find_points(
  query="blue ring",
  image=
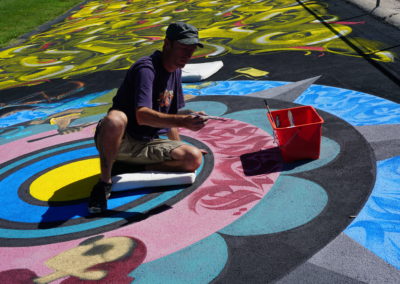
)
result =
(28, 213)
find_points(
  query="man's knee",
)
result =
(191, 157)
(193, 160)
(110, 130)
(115, 123)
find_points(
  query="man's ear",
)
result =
(168, 43)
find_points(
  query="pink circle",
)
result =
(238, 181)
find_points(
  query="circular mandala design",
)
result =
(65, 220)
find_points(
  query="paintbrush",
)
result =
(205, 116)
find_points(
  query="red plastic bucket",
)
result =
(298, 131)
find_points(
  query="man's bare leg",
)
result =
(111, 131)
(186, 158)
(109, 140)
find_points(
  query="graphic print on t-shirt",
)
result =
(165, 98)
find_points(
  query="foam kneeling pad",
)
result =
(150, 179)
(195, 72)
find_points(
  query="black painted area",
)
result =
(59, 89)
(348, 181)
(347, 72)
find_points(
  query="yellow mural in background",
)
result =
(111, 35)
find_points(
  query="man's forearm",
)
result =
(150, 117)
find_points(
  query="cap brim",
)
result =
(190, 41)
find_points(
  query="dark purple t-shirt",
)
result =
(148, 84)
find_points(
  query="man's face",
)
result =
(179, 54)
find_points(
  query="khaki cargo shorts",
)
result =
(143, 152)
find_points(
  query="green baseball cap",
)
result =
(183, 33)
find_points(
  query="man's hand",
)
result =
(206, 116)
(194, 122)
(150, 117)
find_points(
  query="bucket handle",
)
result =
(276, 140)
(272, 119)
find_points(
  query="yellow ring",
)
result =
(66, 183)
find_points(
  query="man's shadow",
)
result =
(68, 204)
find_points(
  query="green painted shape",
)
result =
(328, 152)
(192, 264)
(292, 202)
(256, 117)
(105, 101)
(209, 107)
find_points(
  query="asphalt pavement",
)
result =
(386, 10)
